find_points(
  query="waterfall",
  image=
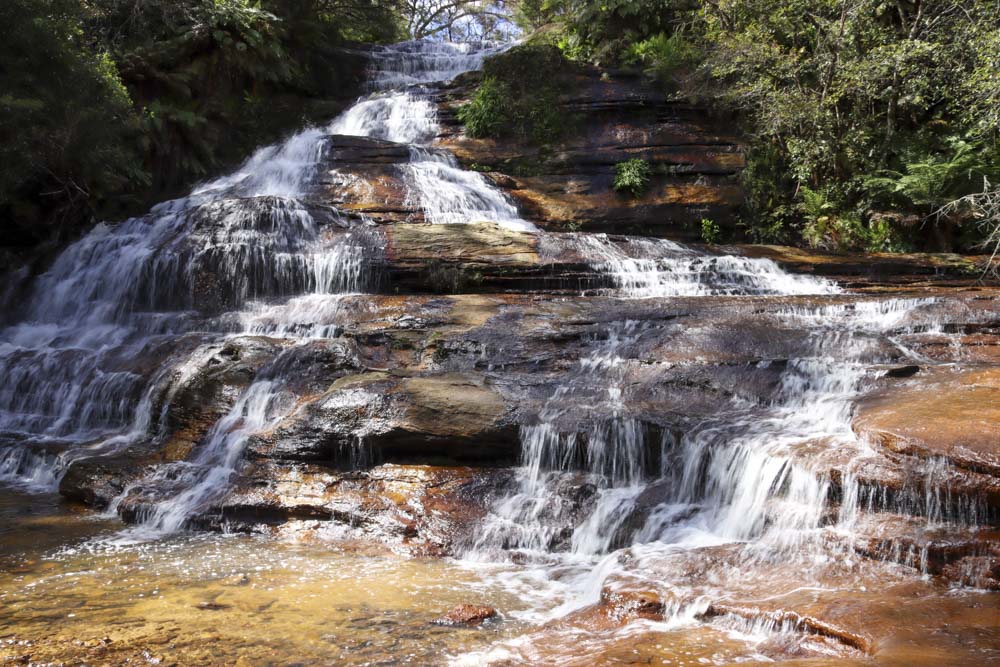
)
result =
(194, 485)
(447, 193)
(254, 253)
(643, 268)
(246, 253)
(738, 477)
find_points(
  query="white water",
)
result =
(199, 483)
(742, 476)
(645, 268)
(447, 193)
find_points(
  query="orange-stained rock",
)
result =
(956, 418)
(695, 160)
(467, 614)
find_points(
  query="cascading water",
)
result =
(661, 268)
(245, 253)
(743, 476)
(446, 193)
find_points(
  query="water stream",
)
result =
(128, 315)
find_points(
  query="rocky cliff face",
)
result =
(354, 332)
(694, 160)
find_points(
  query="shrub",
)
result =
(709, 231)
(488, 110)
(632, 177)
(828, 227)
(663, 56)
(519, 96)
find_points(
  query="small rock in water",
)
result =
(467, 614)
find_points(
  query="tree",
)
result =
(457, 20)
(68, 131)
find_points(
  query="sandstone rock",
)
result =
(422, 510)
(616, 118)
(981, 572)
(467, 615)
(875, 268)
(955, 418)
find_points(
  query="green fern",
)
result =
(632, 177)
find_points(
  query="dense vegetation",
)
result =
(863, 117)
(109, 105)
(519, 96)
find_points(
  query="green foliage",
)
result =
(109, 105)
(632, 177)
(67, 129)
(486, 114)
(857, 99)
(828, 227)
(710, 231)
(932, 180)
(535, 14)
(605, 31)
(663, 56)
(519, 96)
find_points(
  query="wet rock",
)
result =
(902, 371)
(982, 572)
(624, 602)
(207, 389)
(794, 620)
(480, 258)
(365, 177)
(96, 482)
(954, 418)
(874, 268)
(951, 551)
(467, 615)
(380, 417)
(425, 510)
(354, 151)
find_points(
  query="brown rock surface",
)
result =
(568, 185)
(467, 614)
(955, 418)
